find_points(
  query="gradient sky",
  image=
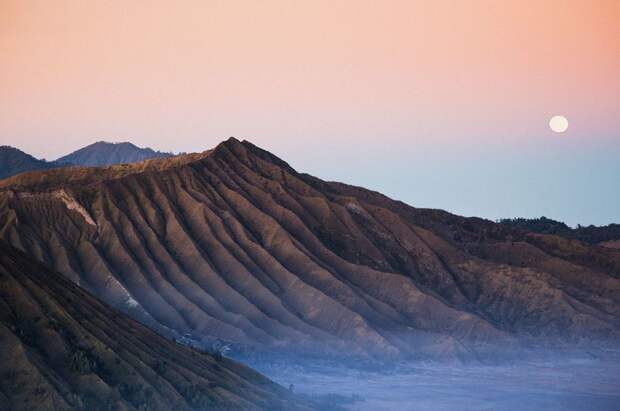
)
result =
(441, 104)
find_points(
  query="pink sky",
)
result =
(323, 75)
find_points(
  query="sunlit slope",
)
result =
(235, 244)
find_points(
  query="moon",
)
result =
(558, 124)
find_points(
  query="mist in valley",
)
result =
(561, 383)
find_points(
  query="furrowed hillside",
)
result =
(234, 244)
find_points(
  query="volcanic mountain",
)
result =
(104, 154)
(234, 244)
(62, 349)
(14, 161)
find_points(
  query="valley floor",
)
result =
(570, 385)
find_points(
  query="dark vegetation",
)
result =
(588, 234)
(104, 154)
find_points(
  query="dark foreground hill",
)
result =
(62, 349)
(104, 154)
(234, 244)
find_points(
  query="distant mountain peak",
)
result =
(103, 153)
(14, 161)
(103, 143)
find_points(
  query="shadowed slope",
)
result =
(62, 349)
(14, 161)
(235, 244)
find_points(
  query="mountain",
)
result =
(608, 235)
(62, 349)
(103, 154)
(14, 161)
(234, 244)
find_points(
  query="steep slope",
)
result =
(235, 244)
(103, 154)
(62, 349)
(14, 161)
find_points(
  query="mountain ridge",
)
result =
(237, 244)
(14, 161)
(103, 153)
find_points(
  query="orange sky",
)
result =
(184, 75)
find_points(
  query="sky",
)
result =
(441, 104)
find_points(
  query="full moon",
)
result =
(559, 124)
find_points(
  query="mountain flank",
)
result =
(234, 244)
(62, 349)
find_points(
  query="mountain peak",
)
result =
(103, 143)
(231, 143)
(229, 150)
(103, 153)
(244, 147)
(232, 140)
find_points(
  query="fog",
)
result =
(561, 384)
(545, 377)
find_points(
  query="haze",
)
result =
(439, 104)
